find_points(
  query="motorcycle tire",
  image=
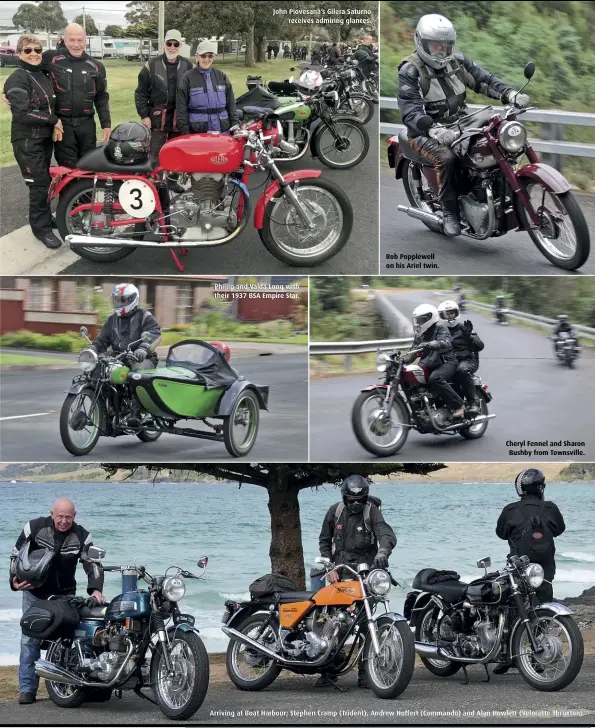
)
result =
(74, 189)
(64, 428)
(366, 108)
(148, 436)
(235, 449)
(408, 659)
(76, 698)
(576, 659)
(272, 671)
(361, 436)
(480, 432)
(434, 227)
(291, 258)
(449, 668)
(357, 128)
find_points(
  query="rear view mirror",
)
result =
(146, 336)
(529, 70)
(202, 562)
(484, 563)
(96, 553)
(322, 560)
(84, 331)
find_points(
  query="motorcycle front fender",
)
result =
(371, 387)
(392, 615)
(78, 387)
(274, 188)
(560, 610)
(226, 403)
(182, 628)
(550, 178)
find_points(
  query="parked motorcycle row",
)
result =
(142, 639)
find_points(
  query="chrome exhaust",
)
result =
(55, 673)
(481, 418)
(249, 642)
(420, 214)
(89, 240)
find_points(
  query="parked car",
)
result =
(8, 56)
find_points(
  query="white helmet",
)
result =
(125, 299)
(310, 83)
(423, 317)
(449, 312)
(435, 40)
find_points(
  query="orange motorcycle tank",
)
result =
(340, 593)
(290, 614)
(207, 153)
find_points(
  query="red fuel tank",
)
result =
(211, 152)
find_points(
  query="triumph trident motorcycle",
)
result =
(495, 618)
(496, 192)
(139, 640)
(308, 633)
(105, 210)
(383, 414)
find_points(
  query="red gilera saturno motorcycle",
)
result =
(105, 210)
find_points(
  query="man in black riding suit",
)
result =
(354, 532)
(365, 56)
(433, 335)
(563, 326)
(433, 82)
(466, 345)
(530, 527)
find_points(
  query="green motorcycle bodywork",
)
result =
(292, 109)
(119, 374)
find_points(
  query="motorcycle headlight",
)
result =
(513, 136)
(534, 575)
(379, 582)
(382, 361)
(88, 360)
(173, 588)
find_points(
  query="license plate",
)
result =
(186, 619)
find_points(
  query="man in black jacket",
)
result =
(70, 543)
(433, 82)
(563, 326)
(365, 56)
(80, 84)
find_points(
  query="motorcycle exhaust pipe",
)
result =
(420, 214)
(89, 240)
(55, 673)
(481, 418)
(249, 642)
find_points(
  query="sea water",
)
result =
(438, 525)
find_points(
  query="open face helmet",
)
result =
(530, 482)
(125, 299)
(423, 317)
(449, 312)
(435, 40)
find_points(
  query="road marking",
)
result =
(20, 417)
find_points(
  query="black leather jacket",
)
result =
(465, 347)
(438, 333)
(151, 94)
(119, 331)
(31, 97)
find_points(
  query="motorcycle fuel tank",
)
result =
(129, 604)
(414, 374)
(211, 152)
(341, 593)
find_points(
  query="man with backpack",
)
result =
(530, 527)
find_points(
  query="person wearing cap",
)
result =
(205, 100)
(156, 93)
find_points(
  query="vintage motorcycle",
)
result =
(110, 399)
(308, 633)
(501, 315)
(383, 414)
(496, 194)
(105, 210)
(494, 619)
(139, 640)
(567, 349)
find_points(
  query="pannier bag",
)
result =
(50, 619)
(269, 585)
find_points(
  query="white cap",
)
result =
(206, 46)
(173, 35)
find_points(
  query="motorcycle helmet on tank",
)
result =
(31, 565)
(125, 299)
(435, 40)
(423, 317)
(530, 482)
(450, 313)
(129, 143)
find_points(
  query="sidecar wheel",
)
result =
(241, 426)
(149, 436)
(89, 434)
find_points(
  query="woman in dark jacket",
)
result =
(31, 97)
(205, 100)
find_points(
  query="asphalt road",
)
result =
(282, 435)
(514, 253)
(534, 399)
(506, 700)
(246, 255)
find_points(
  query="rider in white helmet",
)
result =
(433, 81)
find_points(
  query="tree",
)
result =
(283, 482)
(28, 18)
(145, 14)
(44, 16)
(114, 31)
(88, 25)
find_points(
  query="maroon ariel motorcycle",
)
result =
(495, 194)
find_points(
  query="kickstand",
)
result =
(118, 694)
(138, 692)
(487, 673)
(179, 266)
(338, 687)
(466, 682)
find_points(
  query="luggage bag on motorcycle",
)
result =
(50, 619)
(270, 584)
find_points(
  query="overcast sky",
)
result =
(102, 11)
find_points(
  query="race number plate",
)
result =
(137, 198)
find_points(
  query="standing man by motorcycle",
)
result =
(353, 532)
(365, 56)
(433, 82)
(466, 345)
(563, 327)
(43, 564)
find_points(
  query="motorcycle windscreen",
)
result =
(204, 360)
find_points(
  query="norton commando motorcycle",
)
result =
(494, 619)
(496, 193)
(383, 414)
(106, 210)
(139, 640)
(308, 633)
(110, 399)
(567, 349)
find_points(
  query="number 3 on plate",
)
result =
(137, 198)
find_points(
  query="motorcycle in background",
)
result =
(567, 349)
(501, 315)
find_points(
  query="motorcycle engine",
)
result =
(322, 630)
(105, 666)
(469, 633)
(202, 213)
(475, 211)
(442, 417)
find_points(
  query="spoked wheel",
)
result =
(560, 661)
(415, 199)
(64, 696)
(288, 238)
(426, 631)
(381, 433)
(358, 106)
(477, 430)
(81, 422)
(390, 671)
(562, 236)
(247, 668)
(181, 692)
(345, 150)
(241, 427)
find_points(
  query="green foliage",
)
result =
(331, 293)
(42, 16)
(69, 341)
(89, 24)
(114, 31)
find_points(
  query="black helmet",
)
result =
(129, 143)
(562, 318)
(31, 565)
(530, 482)
(355, 491)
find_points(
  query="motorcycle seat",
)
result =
(452, 591)
(96, 161)
(409, 152)
(95, 612)
(295, 596)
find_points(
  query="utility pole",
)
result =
(84, 20)
(161, 30)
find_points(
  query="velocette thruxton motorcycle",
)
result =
(139, 640)
(383, 414)
(308, 632)
(110, 399)
(496, 194)
(495, 618)
(106, 209)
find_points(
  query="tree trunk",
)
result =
(286, 552)
(260, 50)
(249, 58)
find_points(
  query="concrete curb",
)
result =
(22, 254)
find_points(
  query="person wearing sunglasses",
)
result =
(31, 97)
(205, 99)
(155, 95)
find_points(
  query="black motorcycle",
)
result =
(494, 619)
(567, 349)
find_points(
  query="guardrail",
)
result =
(551, 120)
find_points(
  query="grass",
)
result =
(24, 360)
(122, 80)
